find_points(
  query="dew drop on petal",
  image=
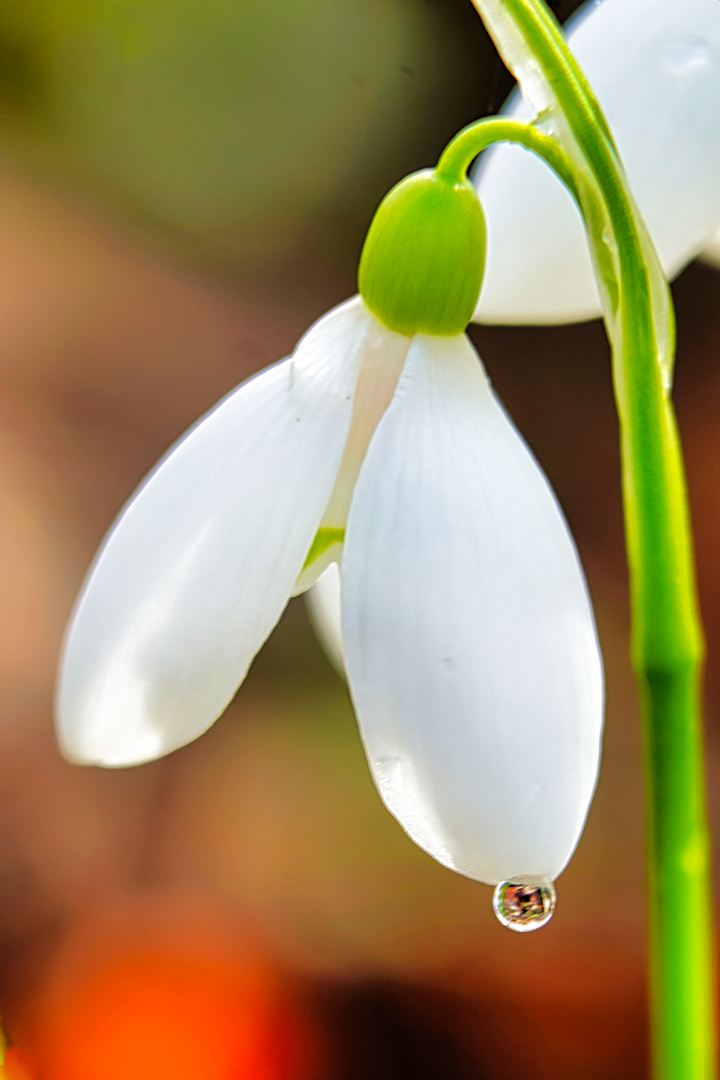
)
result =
(523, 907)
(686, 56)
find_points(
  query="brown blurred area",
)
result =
(255, 873)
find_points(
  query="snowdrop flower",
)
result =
(655, 68)
(469, 640)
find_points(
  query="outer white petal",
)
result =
(469, 638)
(655, 67)
(199, 566)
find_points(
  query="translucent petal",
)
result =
(470, 644)
(200, 565)
(323, 601)
(655, 67)
(383, 358)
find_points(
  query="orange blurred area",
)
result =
(18, 1066)
(155, 991)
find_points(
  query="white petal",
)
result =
(200, 565)
(383, 358)
(469, 640)
(323, 602)
(655, 67)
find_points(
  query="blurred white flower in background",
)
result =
(654, 66)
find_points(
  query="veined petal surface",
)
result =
(470, 644)
(655, 68)
(200, 565)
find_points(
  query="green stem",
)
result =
(459, 154)
(667, 645)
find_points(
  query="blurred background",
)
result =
(184, 188)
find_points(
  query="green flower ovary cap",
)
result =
(422, 264)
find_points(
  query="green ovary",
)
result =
(423, 261)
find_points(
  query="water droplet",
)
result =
(608, 239)
(687, 55)
(523, 907)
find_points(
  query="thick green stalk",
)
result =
(666, 635)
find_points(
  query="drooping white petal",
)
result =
(469, 640)
(655, 67)
(199, 566)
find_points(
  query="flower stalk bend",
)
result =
(667, 643)
(459, 154)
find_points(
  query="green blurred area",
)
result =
(241, 129)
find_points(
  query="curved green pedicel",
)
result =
(423, 261)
